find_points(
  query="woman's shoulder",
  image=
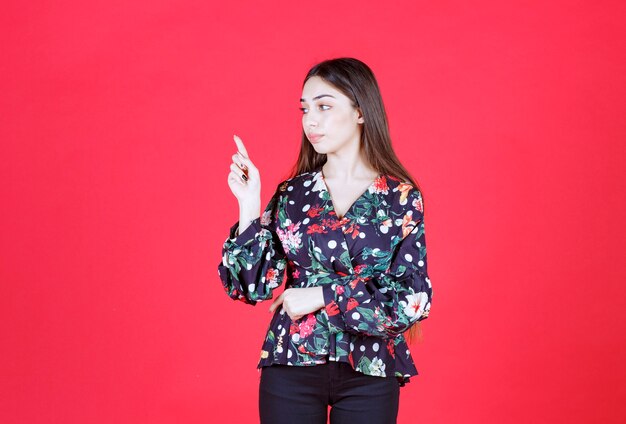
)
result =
(302, 180)
(400, 185)
(405, 195)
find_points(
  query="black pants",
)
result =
(301, 394)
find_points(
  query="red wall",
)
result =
(116, 122)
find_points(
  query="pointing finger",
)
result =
(240, 146)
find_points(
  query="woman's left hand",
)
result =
(299, 301)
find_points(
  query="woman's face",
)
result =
(327, 112)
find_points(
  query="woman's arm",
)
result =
(253, 260)
(386, 304)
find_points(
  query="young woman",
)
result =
(345, 232)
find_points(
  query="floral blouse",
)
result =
(371, 265)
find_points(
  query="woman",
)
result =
(346, 234)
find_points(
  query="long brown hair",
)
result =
(357, 81)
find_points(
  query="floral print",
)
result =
(370, 263)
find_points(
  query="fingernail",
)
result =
(244, 177)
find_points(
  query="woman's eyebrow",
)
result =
(317, 97)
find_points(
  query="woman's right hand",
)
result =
(244, 179)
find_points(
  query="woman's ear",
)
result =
(360, 118)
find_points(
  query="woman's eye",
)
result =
(303, 109)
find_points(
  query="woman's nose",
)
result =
(310, 121)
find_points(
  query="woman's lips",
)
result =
(315, 138)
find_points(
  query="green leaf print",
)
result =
(340, 352)
(368, 314)
(318, 279)
(345, 259)
(401, 270)
(378, 253)
(317, 257)
(364, 363)
(321, 344)
(282, 215)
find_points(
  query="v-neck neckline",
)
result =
(332, 203)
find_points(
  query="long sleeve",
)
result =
(385, 304)
(254, 262)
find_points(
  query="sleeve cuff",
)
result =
(329, 294)
(248, 233)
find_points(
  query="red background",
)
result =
(116, 121)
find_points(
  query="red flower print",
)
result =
(332, 308)
(271, 274)
(351, 359)
(296, 273)
(335, 224)
(381, 184)
(314, 211)
(301, 349)
(359, 268)
(293, 328)
(352, 303)
(315, 228)
(339, 289)
(352, 229)
(306, 327)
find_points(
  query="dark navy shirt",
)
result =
(371, 265)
